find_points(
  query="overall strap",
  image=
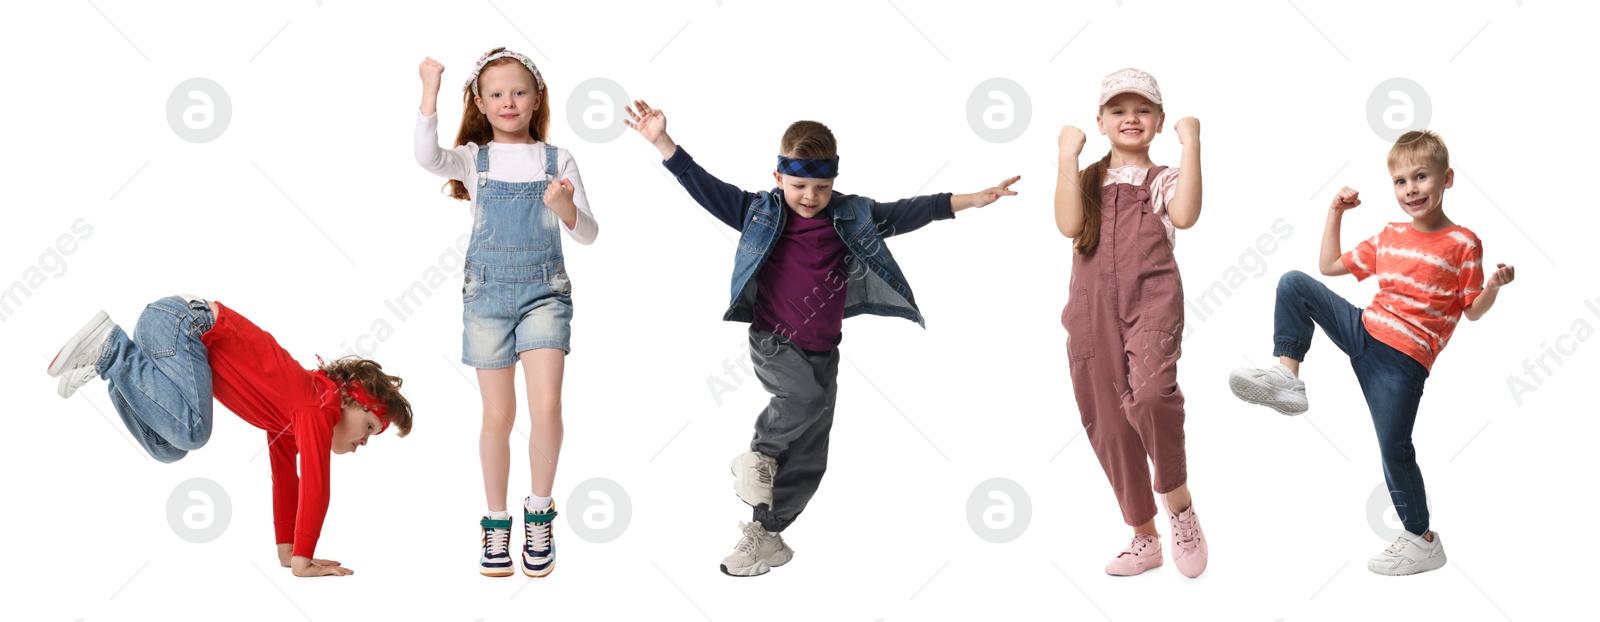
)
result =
(483, 165)
(550, 160)
(1150, 176)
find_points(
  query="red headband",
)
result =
(359, 393)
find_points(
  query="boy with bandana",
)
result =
(807, 259)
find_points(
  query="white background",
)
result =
(308, 212)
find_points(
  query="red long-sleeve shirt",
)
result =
(256, 378)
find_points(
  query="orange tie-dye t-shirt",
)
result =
(1424, 281)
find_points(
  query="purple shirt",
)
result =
(801, 288)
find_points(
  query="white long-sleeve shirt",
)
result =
(511, 163)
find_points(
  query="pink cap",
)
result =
(1129, 80)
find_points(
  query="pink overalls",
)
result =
(1124, 322)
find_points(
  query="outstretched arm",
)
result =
(983, 197)
(723, 200)
(907, 215)
(652, 126)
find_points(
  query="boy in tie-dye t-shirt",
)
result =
(1430, 274)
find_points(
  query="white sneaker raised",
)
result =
(1275, 387)
(753, 474)
(757, 553)
(76, 360)
(1410, 554)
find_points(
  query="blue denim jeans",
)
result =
(160, 380)
(1391, 380)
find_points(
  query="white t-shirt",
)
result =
(511, 163)
(1161, 191)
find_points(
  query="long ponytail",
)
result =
(1089, 182)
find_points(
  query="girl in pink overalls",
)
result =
(1124, 314)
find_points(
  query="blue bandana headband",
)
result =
(810, 169)
(472, 80)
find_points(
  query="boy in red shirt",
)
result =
(1429, 274)
(184, 351)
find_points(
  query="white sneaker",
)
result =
(74, 379)
(1410, 554)
(1275, 387)
(753, 473)
(757, 553)
(76, 360)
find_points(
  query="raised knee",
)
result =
(1292, 280)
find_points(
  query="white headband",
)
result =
(472, 80)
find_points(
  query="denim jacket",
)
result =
(875, 285)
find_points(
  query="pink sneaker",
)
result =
(1189, 549)
(1142, 554)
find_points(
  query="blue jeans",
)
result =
(160, 380)
(1391, 380)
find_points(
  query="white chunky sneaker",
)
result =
(753, 474)
(757, 553)
(1275, 387)
(1410, 554)
(75, 362)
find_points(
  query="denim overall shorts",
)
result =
(516, 295)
